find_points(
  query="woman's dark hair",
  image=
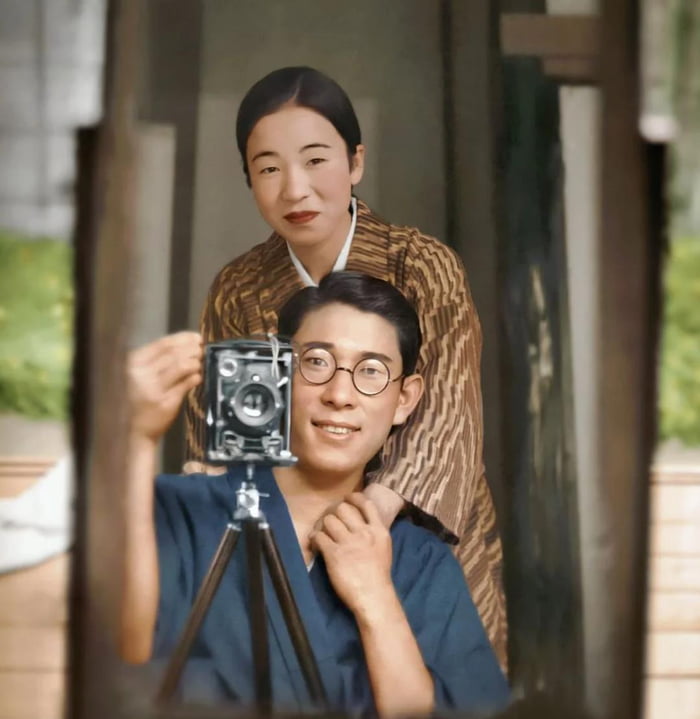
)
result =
(364, 293)
(303, 87)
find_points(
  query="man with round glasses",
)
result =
(370, 375)
(389, 616)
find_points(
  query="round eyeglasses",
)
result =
(370, 375)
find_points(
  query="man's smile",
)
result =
(338, 428)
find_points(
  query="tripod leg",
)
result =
(198, 612)
(258, 619)
(293, 619)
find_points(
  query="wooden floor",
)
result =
(33, 608)
(673, 639)
(33, 615)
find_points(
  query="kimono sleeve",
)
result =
(174, 565)
(450, 634)
(435, 461)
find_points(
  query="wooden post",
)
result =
(629, 270)
(103, 260)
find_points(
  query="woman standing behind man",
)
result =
(302, 154)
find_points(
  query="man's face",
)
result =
(335, 428)
(301, 177)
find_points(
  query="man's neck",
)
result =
(319, 490)
(309, 497)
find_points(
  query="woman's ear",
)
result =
(357, 165)
(411, 391)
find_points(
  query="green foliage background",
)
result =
(36, 326)
(680, 350)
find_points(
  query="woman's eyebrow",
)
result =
(264, 153)
(314, 145)
(271, 153)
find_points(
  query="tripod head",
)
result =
(248, 497)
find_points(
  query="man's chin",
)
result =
(331, 467)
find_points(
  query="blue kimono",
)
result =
(191, 514)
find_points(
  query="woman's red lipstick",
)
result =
(299, 218)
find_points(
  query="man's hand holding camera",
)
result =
(160, 374)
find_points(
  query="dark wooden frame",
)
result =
(631, 250)
(629, 265)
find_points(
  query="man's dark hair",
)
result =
(302, 87)
(364, 293)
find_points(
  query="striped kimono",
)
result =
(434, 461)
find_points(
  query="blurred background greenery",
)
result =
(36, 326)
(679, 379)
(679, 386)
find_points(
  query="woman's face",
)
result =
(301, 176)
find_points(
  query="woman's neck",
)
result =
(319, 259)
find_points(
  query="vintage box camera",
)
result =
(248, 401)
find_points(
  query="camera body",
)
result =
(248, 391)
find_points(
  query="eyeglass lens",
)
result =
(318, 365)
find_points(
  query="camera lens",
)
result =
(254, 405)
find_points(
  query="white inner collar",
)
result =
(342, 258)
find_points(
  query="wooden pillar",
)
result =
(470, 30)
(103, 260)
(629, 269)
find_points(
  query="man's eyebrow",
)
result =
(363, 355)
(316, 345)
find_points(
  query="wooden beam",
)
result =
(550, 36)
(571, 70)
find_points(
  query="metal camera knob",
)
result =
(227, 366)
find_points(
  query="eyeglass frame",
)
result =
(298, 356)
